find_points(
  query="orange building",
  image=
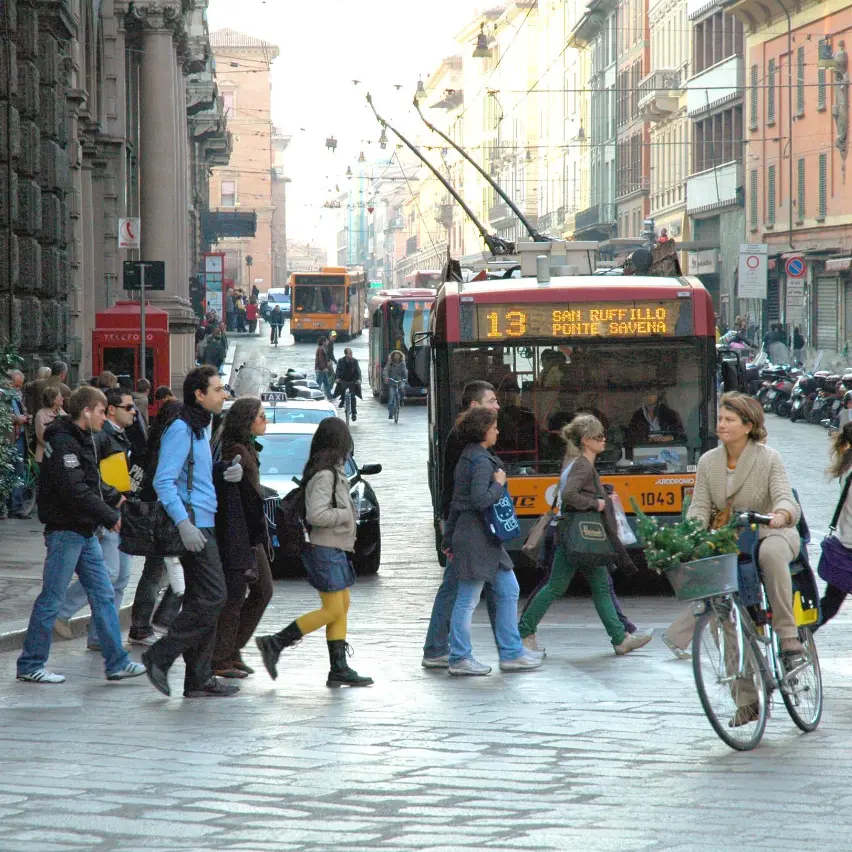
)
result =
(798, 196)
(243, 65)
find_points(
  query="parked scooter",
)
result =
(802, 398)
(297, 386)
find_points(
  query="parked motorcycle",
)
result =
(826, 393)
(802, 397)
(297, 386)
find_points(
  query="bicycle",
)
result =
(397, 399)
(347, 403)
(29, 487)
(736, 659)
(275, 331)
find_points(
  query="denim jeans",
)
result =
(505, 590)
(118, 567)
(324, 382)
(68, 552)
(393, 390)
(438, 634)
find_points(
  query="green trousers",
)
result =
(560, 579)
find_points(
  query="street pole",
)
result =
(141, 371)
(789, 116)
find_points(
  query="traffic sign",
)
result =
(155, 274)
(795, 267)
(129, 233)
(753, 268)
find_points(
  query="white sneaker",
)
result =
(436, 662)
(526, 662)
(531, 644)
(469, 667)
(642, 632)
(631, 643)
(63, 629)
(130, 670)
(42, 676)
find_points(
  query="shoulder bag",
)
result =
(835, 563)
(147, 529)
(501, 520)
(532, 544)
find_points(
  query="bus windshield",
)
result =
(405, 319)
(647, 396)
(325, 295)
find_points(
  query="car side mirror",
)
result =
(370, 469)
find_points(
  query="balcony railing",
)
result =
(659, 93)
(601, 215)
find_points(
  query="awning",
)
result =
(838, 264)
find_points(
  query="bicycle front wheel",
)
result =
(347, 408)
(396, 409)
(729, 676)
(801, 687)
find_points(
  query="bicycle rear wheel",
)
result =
(801, 688)
(729, 678)
(347, 406)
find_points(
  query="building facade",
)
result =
(246, 184)
(797, 197)
(110, 110)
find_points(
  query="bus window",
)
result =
(377, 319)
(647, 396)
(405, 319)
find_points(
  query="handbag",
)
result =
(835, 563)
(501, 520)
(584, 538)
(532, 544)
(147, 529)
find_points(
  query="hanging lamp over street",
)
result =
(420, 94)
(482, 50)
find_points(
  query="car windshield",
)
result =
(647, 396)
(286, 455)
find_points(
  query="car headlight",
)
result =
(363, 504)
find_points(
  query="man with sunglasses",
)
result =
(112, 440)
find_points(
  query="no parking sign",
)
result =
(795, 267)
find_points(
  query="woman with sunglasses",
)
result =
(582, 491)
(243, 538)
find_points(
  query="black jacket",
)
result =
(348, 370)
(453, 449)
(111, 441)
(639, 430)
(71, 495)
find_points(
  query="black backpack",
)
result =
(291, 528)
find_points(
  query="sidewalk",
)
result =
(21, 564)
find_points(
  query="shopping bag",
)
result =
(625, 532)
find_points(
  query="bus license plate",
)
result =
(665, 500)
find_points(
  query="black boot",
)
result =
(272, 646)
(340, 674)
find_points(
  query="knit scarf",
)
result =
(197, 418)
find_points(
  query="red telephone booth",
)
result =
(116, 342)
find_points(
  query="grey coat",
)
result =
(476, 552)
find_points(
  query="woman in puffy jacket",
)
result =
(395, 369)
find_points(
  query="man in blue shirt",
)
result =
(184, 485)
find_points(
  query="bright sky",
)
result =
(324, 45)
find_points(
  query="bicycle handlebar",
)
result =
(749, 518)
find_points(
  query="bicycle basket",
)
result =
(705, 578)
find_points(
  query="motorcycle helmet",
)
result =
(847, 399)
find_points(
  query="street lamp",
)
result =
(349, 171)
(362, 158)
(331, 144)
(420, 94)
(383, 140)
(482, 50)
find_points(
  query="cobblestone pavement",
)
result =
(592, 752)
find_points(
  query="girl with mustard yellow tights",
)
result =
(330, 517)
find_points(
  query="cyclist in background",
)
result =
(395, 369)
(276, 321)
(348, 375)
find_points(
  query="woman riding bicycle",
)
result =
(395, 369)
(744, 474)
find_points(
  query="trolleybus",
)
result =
(607, 346)
(332, 299)
(396, 316)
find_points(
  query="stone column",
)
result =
(87, 267)
(161, 175)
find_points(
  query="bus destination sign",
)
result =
(580, 319)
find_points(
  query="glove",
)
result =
(234, 473)
(192, 537)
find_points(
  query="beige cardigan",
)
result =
(760, 485)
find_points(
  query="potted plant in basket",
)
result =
(698, 562)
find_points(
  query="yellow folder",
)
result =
(114, 472)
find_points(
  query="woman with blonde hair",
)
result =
(743, 474)
(581, 491)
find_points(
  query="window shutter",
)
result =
(823, 186)
(821, 88)
(752, 200)
(800, 202)
(800, 81)
(770, 196)
(770, 92)
(752, 105)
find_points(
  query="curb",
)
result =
(13, 640)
